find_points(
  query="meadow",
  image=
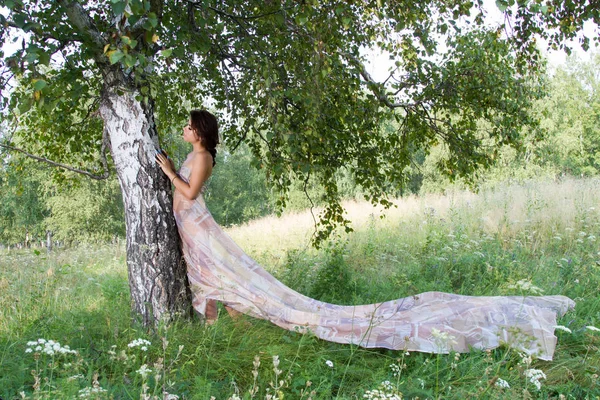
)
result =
(66, 329)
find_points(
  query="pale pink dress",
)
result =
(218, 269)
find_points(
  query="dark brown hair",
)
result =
(207, 128)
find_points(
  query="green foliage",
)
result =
(74, 211)
(237, 191)
(332, 280)
(572, 115)
(288, 79)
(89, 211)
(22, 209)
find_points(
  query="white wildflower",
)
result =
(49, 347)
(592, 238)
(534, 376)
(501, 383)
(385, 391)
(592, 328)
(526, 359)
(144, 371)
(526, 286)
(329, 363)
(443, 339)
(75, 377)
(90, 391)
(139, 343)
(170, 396)
(562, 328)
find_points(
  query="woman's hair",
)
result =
(207, 128)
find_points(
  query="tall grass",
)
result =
(547, 233)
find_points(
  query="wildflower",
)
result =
(592, 328)
(144, 371)
(562, 328)
(443, 339)
(534, 376)
(169, 396)
(385, 391)
(142, 343)
(329, 363)
(592, 238)
(526, 286)
(75, 377)
(501, 383)
(50, 347)
(395, 369)
(526, 359)
(90, 391)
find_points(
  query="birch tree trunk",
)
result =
(157, 271)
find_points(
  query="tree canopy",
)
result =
(288, 78)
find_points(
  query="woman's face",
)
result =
(188, 133)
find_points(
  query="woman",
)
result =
(432, 322)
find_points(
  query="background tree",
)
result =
(286, 77)
(22, 209)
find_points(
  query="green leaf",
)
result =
(19, 20)
(166, 53)
(44, 58)
(129, 61)
(119, 7)
(502, 5)
(25, 106)
(115, 55)
(153, 19)
(39, 84)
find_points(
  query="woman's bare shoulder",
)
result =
(203, 159)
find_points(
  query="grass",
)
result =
(547, 233)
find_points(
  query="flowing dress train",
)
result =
(432, 322)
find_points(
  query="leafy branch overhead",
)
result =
(289, 78)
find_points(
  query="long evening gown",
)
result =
(432, 322)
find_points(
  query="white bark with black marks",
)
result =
(157, 272)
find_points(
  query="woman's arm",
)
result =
(201, 169)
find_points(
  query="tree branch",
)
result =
(105, 175)
(82, 22)
(375, 86)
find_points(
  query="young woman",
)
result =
(433, 322)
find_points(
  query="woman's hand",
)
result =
(166, 164)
